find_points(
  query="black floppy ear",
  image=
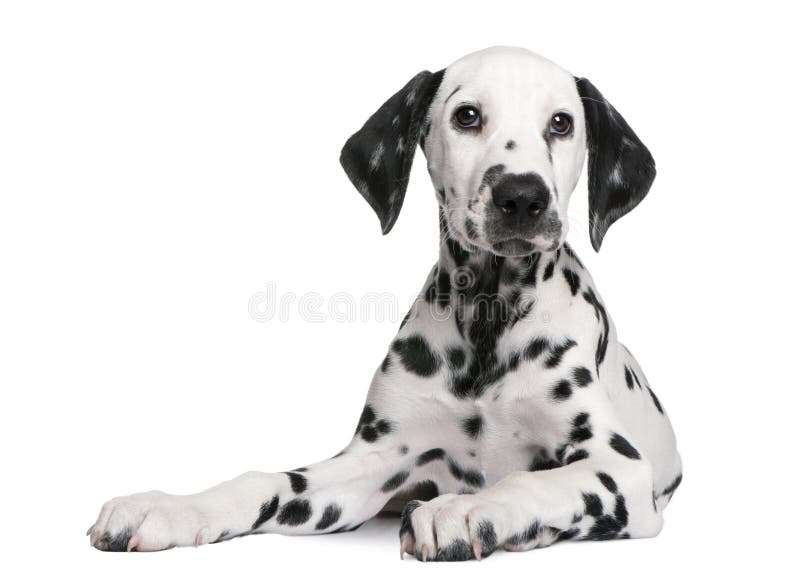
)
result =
(378, 158)
(621, 168)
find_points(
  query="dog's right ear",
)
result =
(378, 158)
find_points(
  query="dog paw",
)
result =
(147, 522)
(451, 528)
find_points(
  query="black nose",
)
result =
(521, 197)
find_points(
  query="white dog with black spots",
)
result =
(506, 413)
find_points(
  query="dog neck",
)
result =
(476, 272)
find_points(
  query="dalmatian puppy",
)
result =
(506, 414)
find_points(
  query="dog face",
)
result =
(505, 133)
(505, 149)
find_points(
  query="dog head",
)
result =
(505, 133)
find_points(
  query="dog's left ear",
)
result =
(378, 158)
(621, 168)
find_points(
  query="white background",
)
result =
(162, 162)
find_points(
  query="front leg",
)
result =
(387, 455)
(604, 491)
(333, 495)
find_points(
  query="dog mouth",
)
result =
(513, 247)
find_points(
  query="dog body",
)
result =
(505, 399)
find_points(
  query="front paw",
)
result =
(451, 528)
(147, 522)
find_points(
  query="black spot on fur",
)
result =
(456, 357)
(329, 517)
(529, 277)
(592, 504)
(581, 429)
(268, 509)
(608, 482)
(623, 447)
(457, 252)
(417, 356)
(117, 542)
(655, 401)
(600, 313)
(548, 271)
(458, 550)
(567, 534)
(573, 280)
(511, 145)
(541, 462)
(298, 482)
(557, 353)
(295, 512)
(670, 489)
(395, 481)
(562, 390)
(628, 378)
(473, 426)
(530, 534)
(621, 511)
(604, 528)
(469, 476)
(576, 456)
(487, 537)
(434, 454)
(582, 376)
(387, 362)
(368, 428)
(367, 415)
(535, 348)
(403, 450)
(442, 288)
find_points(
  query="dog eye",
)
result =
(467, 117)
(560, 124)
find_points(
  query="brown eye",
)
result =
(560, 124)
(467, 117)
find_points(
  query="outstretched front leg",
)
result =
(334, 495)
(386, 456)
(330, 496)
(603, 490)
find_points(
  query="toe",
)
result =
(424, 537)
(452, 532)
(483, 535)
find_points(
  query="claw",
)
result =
(89, 531)
(425, 553)
(405, 546)
(476, 548)
(201, 537)
(134, 542)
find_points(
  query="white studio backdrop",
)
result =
(166, 167)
